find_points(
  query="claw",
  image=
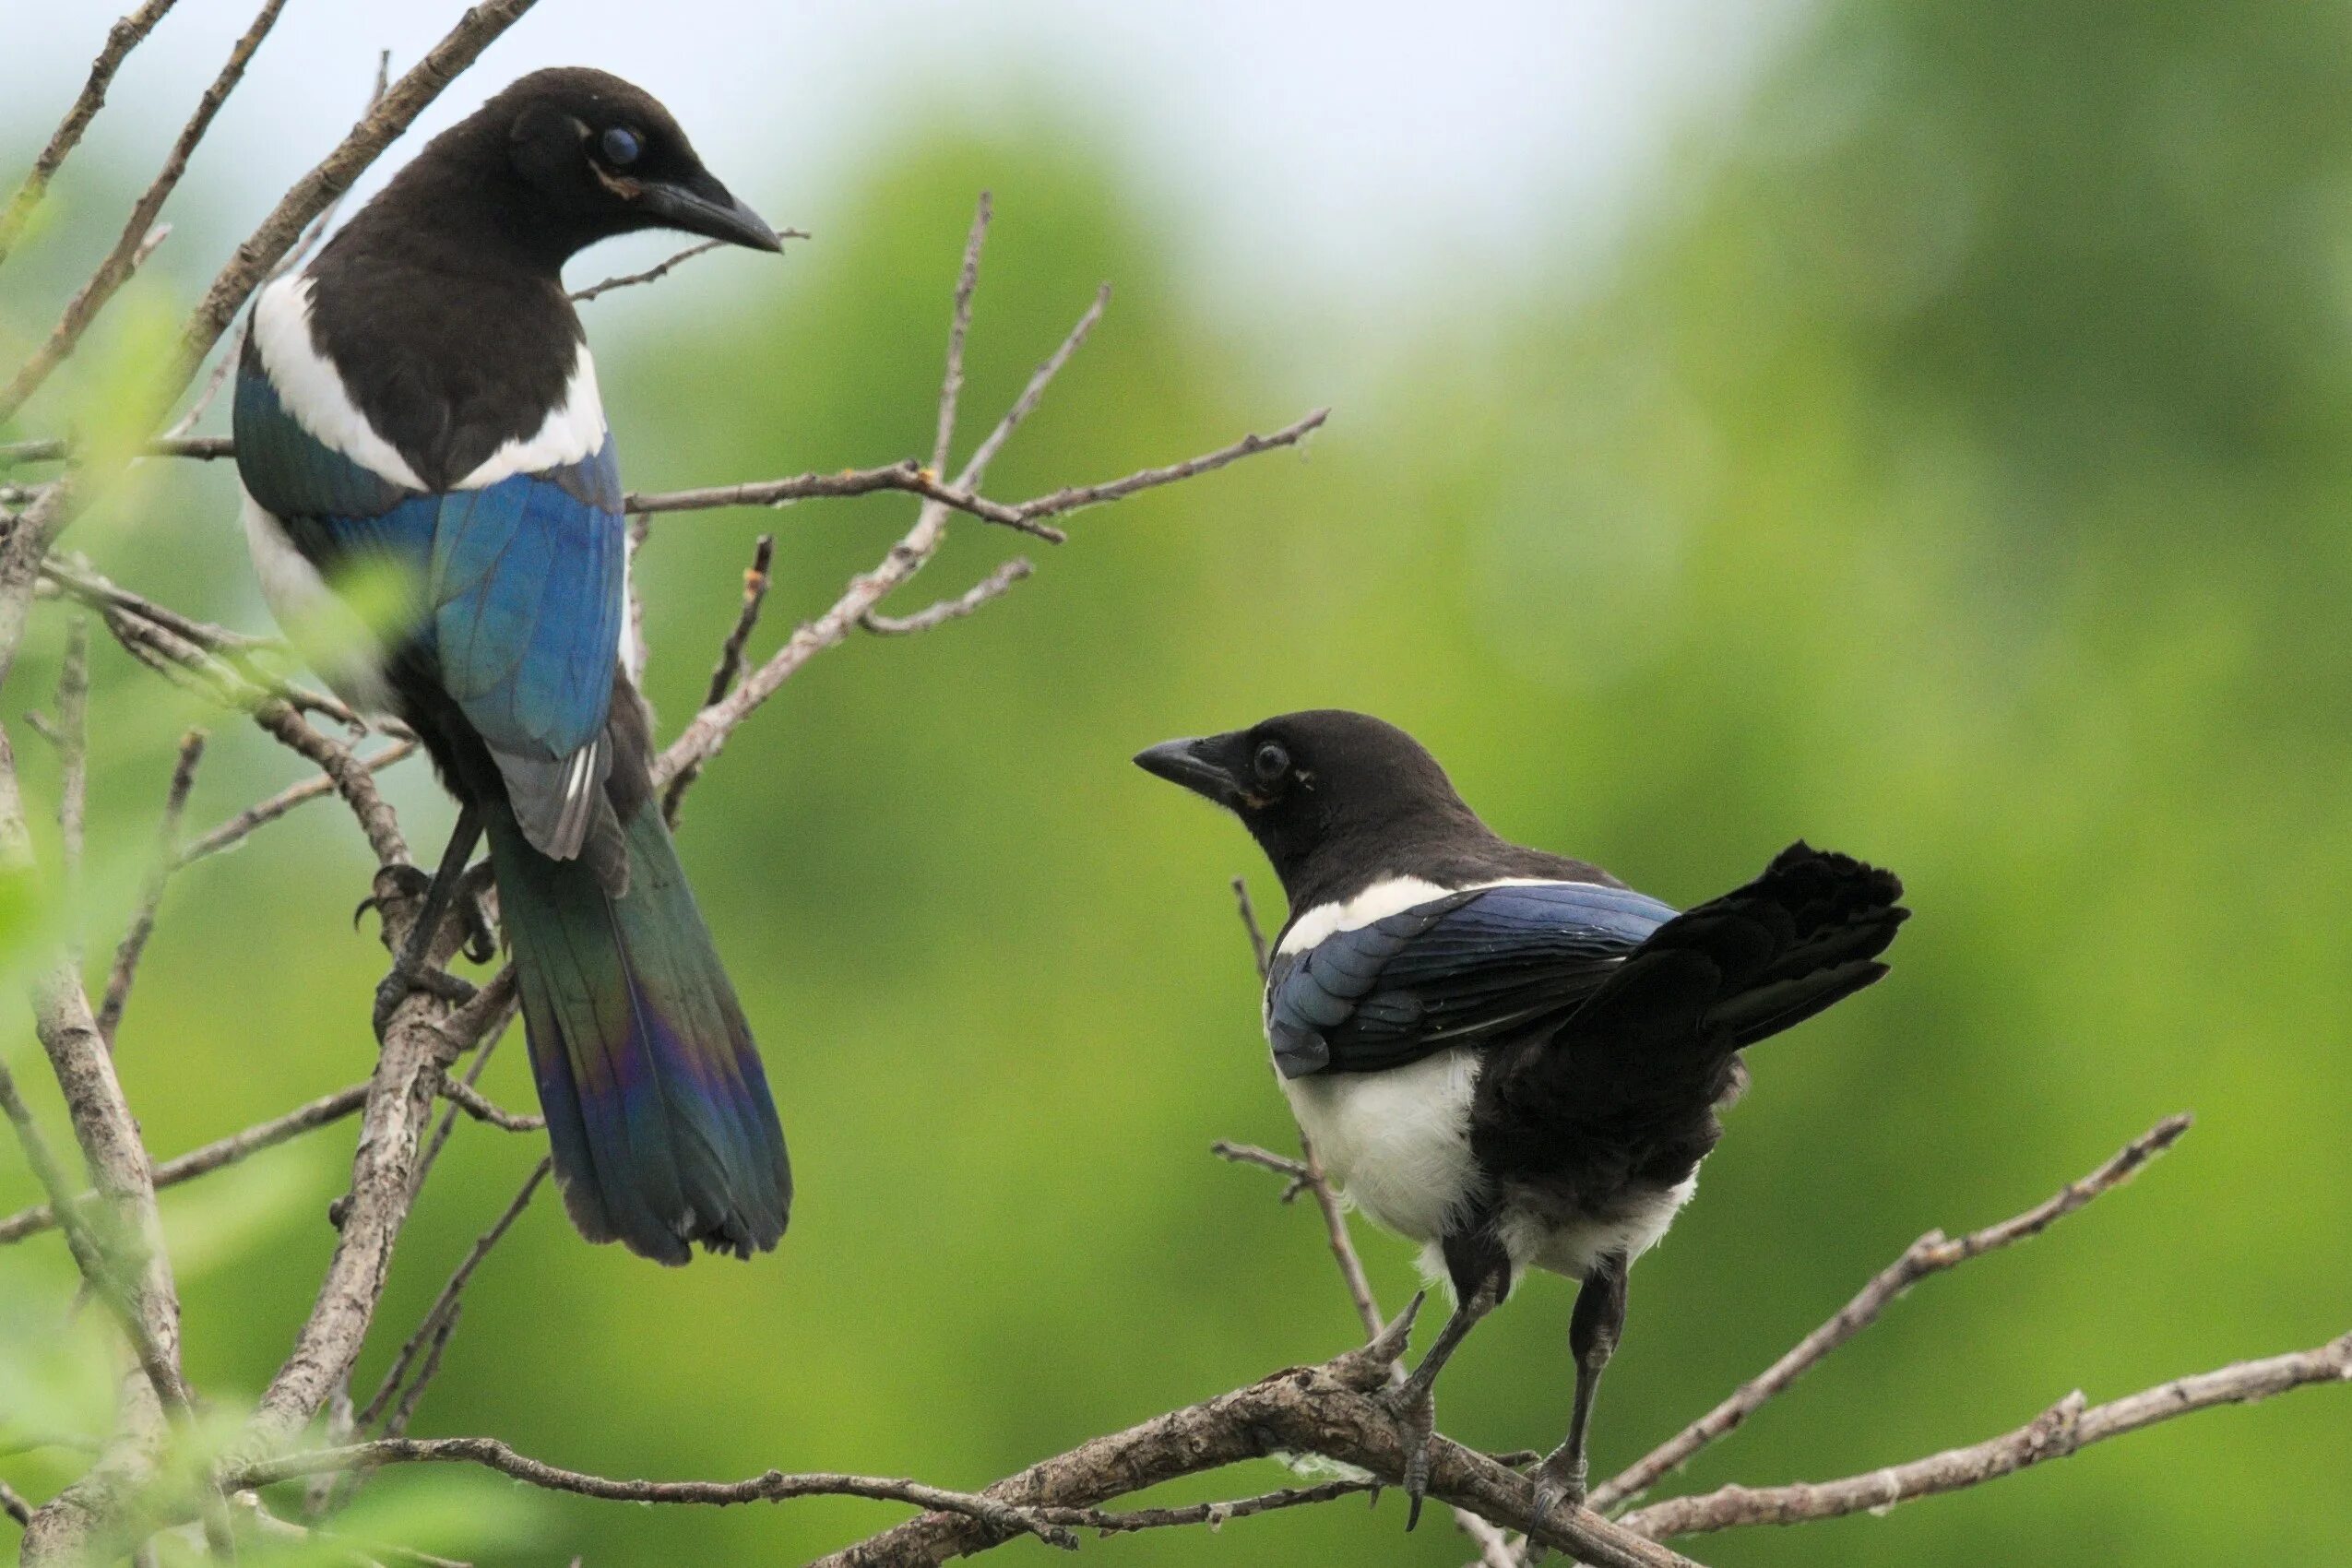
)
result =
(480, 944)
(1415, 1420)
(1561, 1485)
(408, 881)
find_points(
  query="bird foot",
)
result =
(394, 882)
(396, 988)
(1415, 1413)
(399, 882)
(1561, 1485)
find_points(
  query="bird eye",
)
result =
(622, 146)
(1271, 763)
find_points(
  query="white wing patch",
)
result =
(1382, 899)
(311, 389)
(573, 429)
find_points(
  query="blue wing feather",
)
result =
(518, 584)
(1464, 968)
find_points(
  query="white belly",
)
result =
(1398, 1142)
(1537, 1239)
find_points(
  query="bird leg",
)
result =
(410, 968)
(1593, 1332)
(1480, 1271)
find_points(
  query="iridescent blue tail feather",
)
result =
(657, 1111)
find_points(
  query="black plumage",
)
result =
(418, 432)
(1505, 1055)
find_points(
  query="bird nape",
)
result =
(1507, 1055)
(432, 494)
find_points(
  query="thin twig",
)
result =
(959, 326)
(1072, 499)
(73, 751)
(168, 857)
(993, 585)
(100, 1258)
(1033, 392)
(1259, 953)
(730, 668)
(13, 1504)
(262, 813)
(479, 1105)
(2063, 1428)
(212, 1156)
(137, 233)
(775, 1486)
(442, 1314)
(661, 269)
(312, 237)
(121, 39)
(1931, 1253)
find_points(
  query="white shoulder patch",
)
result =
(1392, 895)
(309, 387)
(572, 430)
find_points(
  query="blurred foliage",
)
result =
(1951, 471)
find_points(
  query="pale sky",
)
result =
(1311, 149)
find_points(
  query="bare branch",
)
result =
(730, 667)
(479, 1105)
(167, 859)
(441, 1317)
(212, 1156)
(1072, 499)
(1034, 393)
(906, 475)
(773, 1487)
(993, 585)
(2063, 1428)
(135, 238)
(959, 325)
(1327, 1409)
(310, 241)
(100, 1258)
(661, 270)
(121, 39)
(73, 747)
(475, 31)
(1259, 953)
(1931, 1253)
(262, 813)
(353, 780)
(56, 450)
(1280, 1164)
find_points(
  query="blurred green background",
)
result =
(1949, 466)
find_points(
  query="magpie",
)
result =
(429, 482)
(1510, 1056)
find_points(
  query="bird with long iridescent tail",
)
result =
(431, 493)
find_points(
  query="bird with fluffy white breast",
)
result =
(1506, 1056)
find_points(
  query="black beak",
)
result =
(700, 204)
(1186, 763)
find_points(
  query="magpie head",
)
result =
(578, 155)
(1308, 785)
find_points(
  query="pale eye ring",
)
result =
(621, 146)
(1270, 763)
